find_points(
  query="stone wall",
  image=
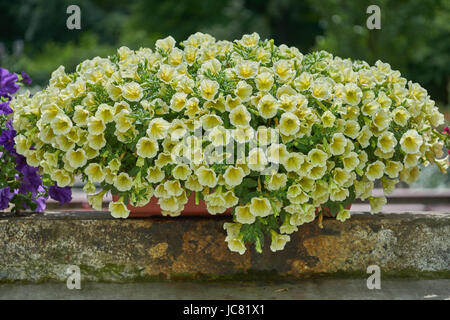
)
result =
(39, 247)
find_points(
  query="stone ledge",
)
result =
(39, 247)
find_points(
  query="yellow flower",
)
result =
(193, 184)
(293, 162)
(208, 89)
(166, 73)
(147, 148)
(288, 102)
(268, 106)
(388, 185)
(393, 168)
(278, 241)
(316, 172)
(381, 120)
(370, 108)
(340, 176)
(351, 129)
(243, 90)
(328, 119)
(61, 124)
(246, 69)
(343, 215)
(260, 207)
(114, 91)
(123, 182)
(249, 40)
(282, 68)
(277, 153)
(233, 176)
(80, 116)
(181, 172)
(62, 178)
(338, 144)
(96, 126)
(339, 194)
(276, 181)
(132, 91)
(210, 121)
(401, 116)
(173, 188)
(317, 157)
(411, 159)
(175, 57)
(411, 141)
(352, 94)
(206, 177)
(96, 200)
(240, 117)
(321, 89)
(178, 101)
(303, 81)
(158, 128)
(95, 172)
(96, 141)
(386, 142)
(296, 195)
(264, 81)
(76, 158)
(169, 204)
(376, 204)
(244, 215)
(155, 174)
(166, 44)
(350, 161)
(118, 209)
(375, 170)
(364, 136)
(164, 158)
(105, 113)
(236, 245)
(289, 124)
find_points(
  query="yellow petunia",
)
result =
(147, 147)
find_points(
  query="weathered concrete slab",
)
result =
(40, 247)
(306, 289)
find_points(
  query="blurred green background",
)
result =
(414, 36)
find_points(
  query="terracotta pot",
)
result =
(327, 211)
(153, 209)
(190, 209)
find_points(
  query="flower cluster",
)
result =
(21, 186)
(278, 136)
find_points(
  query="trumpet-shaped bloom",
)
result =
(147, 147)
(411, 141)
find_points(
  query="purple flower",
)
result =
(8, 83)
(7, 139)
(26, 78)
(62, 195)
(5, 196)
(40, 204)
(31, 180)
(5, 108)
